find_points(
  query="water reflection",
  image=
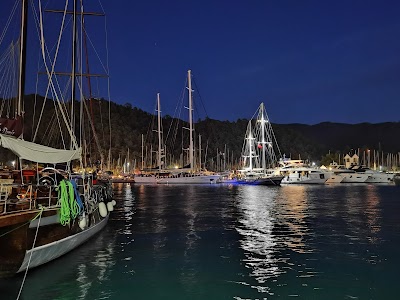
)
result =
(100, 266)
(273, 226)
(158, 221)
(123, 215)
(189, 272)
(363, 213)
(256, 223)
(76, 275)
(373, 213)
(293, 207)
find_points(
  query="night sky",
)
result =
(308, 61)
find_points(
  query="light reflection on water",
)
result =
(292, 231)
(77, 275)
(293, 206)
(233, 242)
(255, 227)
(271, 221)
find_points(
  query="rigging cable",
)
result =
(50, 75)
(108, 83)
(30, 257)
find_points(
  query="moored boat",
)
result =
(51, 202)
(374, 176)
(303, 175)
(299, 172)
(50, 212)
(259, 159)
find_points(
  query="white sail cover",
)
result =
(38, 153)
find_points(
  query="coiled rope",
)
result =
(69, 207)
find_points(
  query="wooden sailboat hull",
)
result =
(52, 239)
(45, 253)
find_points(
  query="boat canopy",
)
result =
(38, 153)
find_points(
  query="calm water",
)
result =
(233, 242)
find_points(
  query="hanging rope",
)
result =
(69, 207)
(77, 196)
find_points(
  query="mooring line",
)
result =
(30, 257)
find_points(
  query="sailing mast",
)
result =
(22, 57)
(191, 159)
(249, 142)
(262, 121)
(73, 71)
(142, 152)
(9, 125)
(200, 153)
(160, 150)
(74, 74)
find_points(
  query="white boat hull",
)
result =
(195, 179)
(302, 180)
(380, 178)
(43, 254)
(146, 179)
(336, 178)
(354, 177)
(305, 176)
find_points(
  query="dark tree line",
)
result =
(128, 123)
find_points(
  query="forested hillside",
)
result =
(129, 123)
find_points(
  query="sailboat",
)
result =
(189, 174)
(48, 209)
(151, 175)
(258, 154)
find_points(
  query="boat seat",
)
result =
(5, 191)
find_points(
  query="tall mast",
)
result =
(73, 74)
(190, 121)
(199, 152)
(22, 57)
(249, 142)
(250, 148)
(142, 152)
(159, 132)
(263, 136)
(224, 158)
(127, 162)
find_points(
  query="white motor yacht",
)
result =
(303, 175)
(374, 176)
(298, 172)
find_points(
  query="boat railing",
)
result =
(23, 196)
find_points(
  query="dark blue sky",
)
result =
(308, 61)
